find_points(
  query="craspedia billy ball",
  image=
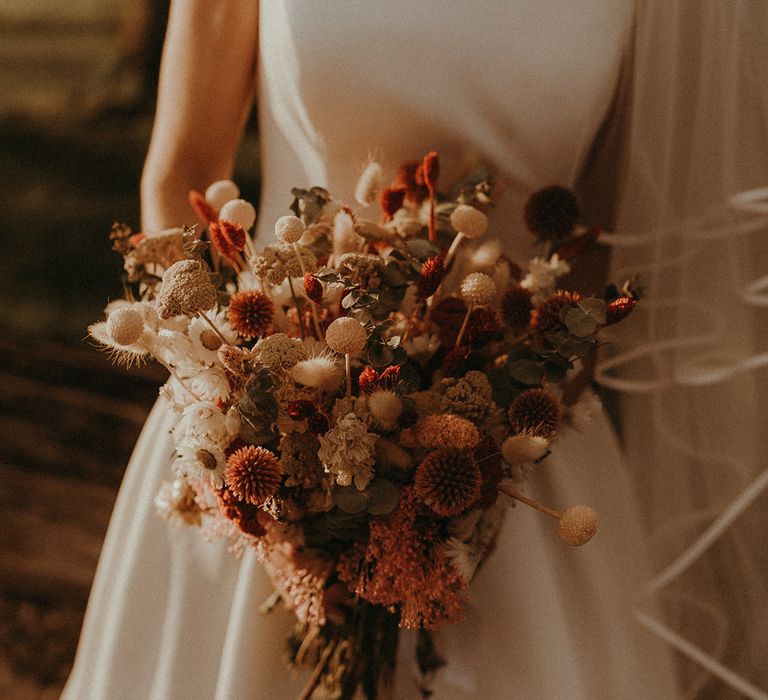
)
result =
(346, 335)
(478, 289)
(252, 474)
(250, 313)
(578, 525)
(535, 412)
(289, 229)
(469, 221)
(125, 326)
(552, 213)
(448, 482)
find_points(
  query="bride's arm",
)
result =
(207, 79)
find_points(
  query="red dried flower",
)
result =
(204, 211)
(391, 200)
(253, 474)
(300, 410)
(619, 309)
(546, 316)
(244, 515)
(448, 315)
(552, 213)
(313, 288)
(389, 377)
(369, 380)
(483, 327)
(427, 173)
(250, 313)
(407, 179)
(448, 481)
(536, 412)
(228, 238)
(578, 244)
(430, 276)
(516, 308)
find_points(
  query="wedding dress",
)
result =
(523, 87)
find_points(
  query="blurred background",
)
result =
(78, 88)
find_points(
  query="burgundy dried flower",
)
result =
(455, 362)
(516, 308)
(318, 423)
(552, 213)
(448, 481)
(250, 313)
(253, 474)
(448, 315)
(313, 288)
(204, 211)
(391, 200)
(300, 410)
(619, 309)
(535, 412)
(483, 327)
(546, 316)
(430, 277)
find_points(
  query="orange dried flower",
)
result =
(535, 412)
(408, 179)
(204, 211)
(448, 481)
(516, 308)
(250, 313)
(369, 380)
(619, 309)
(244, 515)
(546, 316)
(430, 277)
(253, 474)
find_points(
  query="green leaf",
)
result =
(580, 323)
(525, 371)
(350, 500)
(384, 496)
(595, 308)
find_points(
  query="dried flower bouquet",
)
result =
(361, 400)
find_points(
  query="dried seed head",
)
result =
(289, 229)
(253, 474)
(516, 308)
(186, 289)
(523, 448)
(347, 336)
(478, 289)
(448, 482)
(221, 192)
(447, 430)
(125, 326)
(432, 273)
(469, 221)
(578, 525)
(250, 313)
(239, 211)
(552, 213)
(535, 412)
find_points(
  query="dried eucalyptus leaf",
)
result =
(525, 371)
(384, 496)
(595, 308)
(580, 323)
(350, 500)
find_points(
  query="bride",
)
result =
(545, 93)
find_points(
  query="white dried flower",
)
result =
(347, 451)
(279, 350)
(463, 527)
(465, 557)
(210, 384)
(478, 289)
(345, 238)
(205, 342)
(369, 185)
(205, 421)
(385, 408)
(485, 257)
(175, 503)
(276, 262)
(523, 448)
(123, 354)
(420, 348)
(543, 274)
(238, 211)
(320, 371)
(200, 459)
(469, 221)
(350, 404)
(221, 192)
(289, 229)
(125, 326)
(578, 524)
(176, 349)
(347, 336)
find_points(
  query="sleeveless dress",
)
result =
(523, 86)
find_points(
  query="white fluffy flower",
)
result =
(385, 408)
(523, 448)
(320, 371)
(205, 421)
(200, 459)
(543, 274)
(175, 503)
(176, 349)
(347, 451)
(421, 347)
(465, 557)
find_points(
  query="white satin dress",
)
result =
(524, 86)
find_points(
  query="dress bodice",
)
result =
(521, 86)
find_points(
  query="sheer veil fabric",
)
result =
(692, 221)
(174, 616)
